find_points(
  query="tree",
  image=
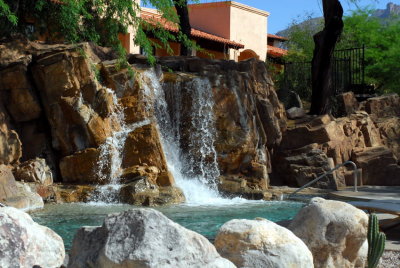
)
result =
(98, 21)
(325, 42)
(382, 54)
(380, 37)
(184, 25)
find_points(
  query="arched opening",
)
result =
(248, 54)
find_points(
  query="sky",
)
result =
(282, 12)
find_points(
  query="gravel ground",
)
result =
(390, 259)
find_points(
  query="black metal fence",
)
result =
(348, 74)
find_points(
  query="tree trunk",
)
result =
(184, 23)
(325, 42)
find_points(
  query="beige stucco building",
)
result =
(223, 29)
(236, 22)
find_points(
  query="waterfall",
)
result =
(110, 157)
(195, 169)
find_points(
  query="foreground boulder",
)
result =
(261, 243)
(142, 238)
(16, 194)
(334, 231)
(25, 243)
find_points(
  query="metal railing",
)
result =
(330, 172)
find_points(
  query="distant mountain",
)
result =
(391, 9)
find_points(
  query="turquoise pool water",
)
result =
(66, 219)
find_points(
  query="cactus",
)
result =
(376, 242)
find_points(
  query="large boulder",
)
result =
(16, 194)
(143, 148)
(81, 167)
(78, 109)
(25, 243)
(35, 170)
(379, 166)
(305, 164)
(334, 231)
(383, 106)
(142, 238)
(346, 104)
(261, 243)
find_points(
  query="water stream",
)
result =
(194, 168)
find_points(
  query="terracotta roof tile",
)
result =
(156, 20)
(276, 52)
(273, 36)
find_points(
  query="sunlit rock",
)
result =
(334, 231)
(142, 238)
(25, 243)
(261, 243)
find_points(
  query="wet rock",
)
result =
(142, 238)
(142, 192)
(334, 231)
(261, 243)
(81, 167)
(379, 166)
(243, 187)
(72, 193)
(26, 243)
(16, 194)
(35, 170)
(143, 148)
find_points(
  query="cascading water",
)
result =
(196, 169)
(110, 158)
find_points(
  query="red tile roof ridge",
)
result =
(276, 51)
(277, 37)
(157, 20)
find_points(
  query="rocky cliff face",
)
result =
(71, 106)
(70, 114)
(367, 134)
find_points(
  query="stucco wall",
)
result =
(234, 21)
(127, 39)
(249, 28)
(213, 18)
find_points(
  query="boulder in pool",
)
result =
(142, 238)
(24, 243)
(261, 243)
(334, 231)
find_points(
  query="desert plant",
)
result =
(376, 241)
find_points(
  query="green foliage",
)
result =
(98, 21)
(376, 242)
(6, 12)
(300, 34)
(381, 39)
(382, 55)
